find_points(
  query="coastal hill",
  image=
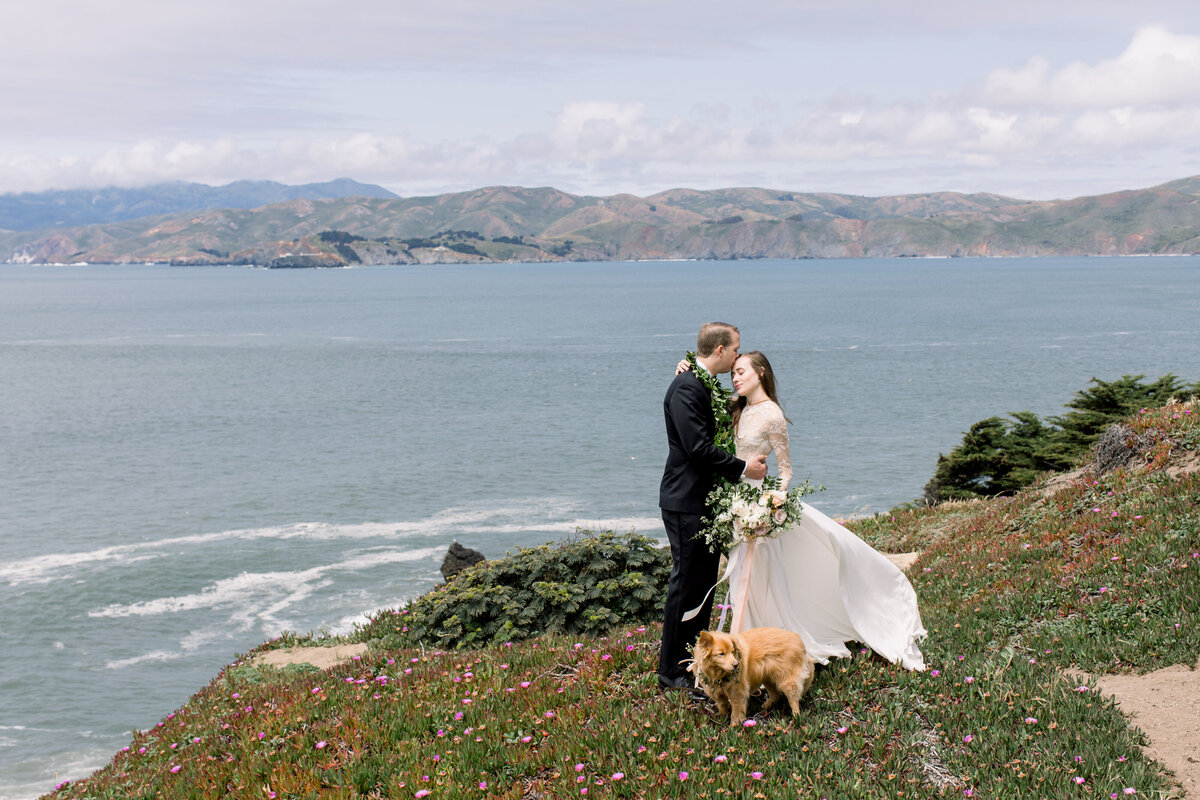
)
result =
(65, 208)
(1034, 603)
(545, 224)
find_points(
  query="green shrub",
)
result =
(585, 586)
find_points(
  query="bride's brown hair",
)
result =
(766, 375)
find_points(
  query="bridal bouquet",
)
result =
(739, 512)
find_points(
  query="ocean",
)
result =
(195, 460)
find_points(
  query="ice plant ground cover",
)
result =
(1099, 573)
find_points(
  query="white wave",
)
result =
(54, 768)
(157, 655)
(261, 597)
(49, 567)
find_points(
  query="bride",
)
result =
(817, 578)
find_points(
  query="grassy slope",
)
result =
(1101, 574)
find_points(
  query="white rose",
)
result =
(780, 516)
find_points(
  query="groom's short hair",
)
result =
(713, 335)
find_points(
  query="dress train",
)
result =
(823, 582)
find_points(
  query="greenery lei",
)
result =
(718, 398)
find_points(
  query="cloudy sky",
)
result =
(1029, 99)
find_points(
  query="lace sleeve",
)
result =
(777, 436)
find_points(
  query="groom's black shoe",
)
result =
(682, 683)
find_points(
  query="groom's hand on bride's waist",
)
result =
(756, 468)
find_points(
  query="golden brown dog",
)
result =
(731, 668)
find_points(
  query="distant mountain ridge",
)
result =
(74, 207)
(506, 223)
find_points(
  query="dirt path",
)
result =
(1166, 705)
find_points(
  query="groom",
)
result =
(693, 465)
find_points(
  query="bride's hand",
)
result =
(682, 366)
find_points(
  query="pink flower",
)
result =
(935, 673)
(756, 775)
(721, 759)
(1031, 720)
(1130, 790)
(1077, 779)
(968, 679)
(176, 768)
(968, 738)
(842, 730)
(683, 776)
(422, 793)
(616, 776)
(321, 744)
(483, 784)
(749, 723)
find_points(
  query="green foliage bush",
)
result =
(339, 237)
(581, 586)
(999, 456)
(463, 247)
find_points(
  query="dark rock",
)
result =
(459, 558)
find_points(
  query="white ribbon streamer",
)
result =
(735, 557)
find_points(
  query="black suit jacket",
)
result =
(693, 461)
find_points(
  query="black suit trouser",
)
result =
(693, 572)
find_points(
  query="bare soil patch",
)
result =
(319, 657)
(1166, 705)
(903, 560)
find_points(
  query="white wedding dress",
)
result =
(817, 578)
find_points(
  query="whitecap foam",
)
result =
(54, 768)
(157, 655)
(261, 596)
(531, 514)
(49, 567)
